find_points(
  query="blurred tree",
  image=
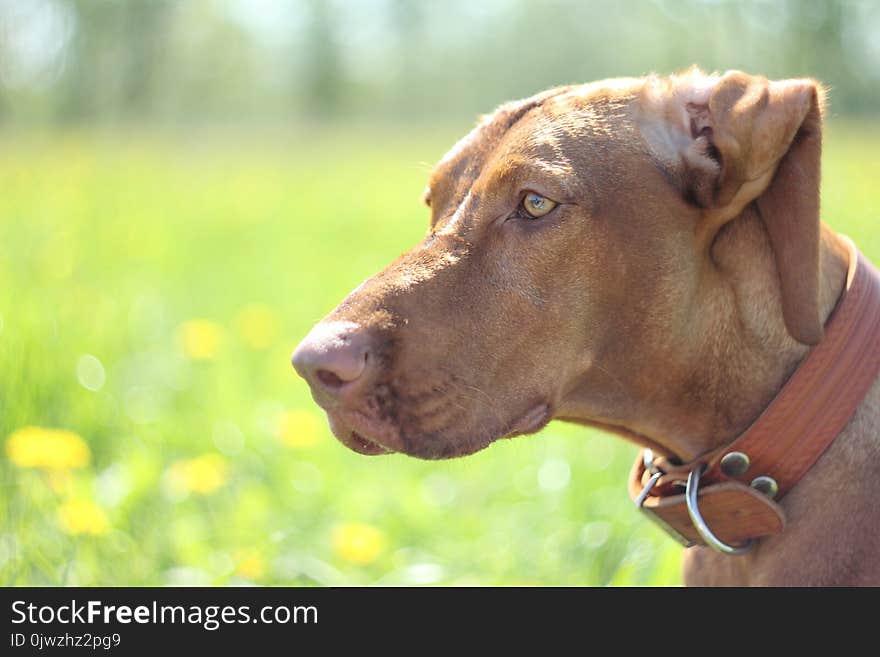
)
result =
(324, 81)
(405, 26)
(211, 66)
(82, 86)
(144, 28)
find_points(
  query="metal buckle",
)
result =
(693, 485)
(648, 460)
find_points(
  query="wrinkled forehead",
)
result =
(547, 129)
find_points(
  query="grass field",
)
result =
(152, 288)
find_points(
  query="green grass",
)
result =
(109, 243)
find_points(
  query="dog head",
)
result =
(568, 270)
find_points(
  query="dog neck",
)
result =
(736, 352)
(747, 354)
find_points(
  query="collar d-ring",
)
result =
(693, 485)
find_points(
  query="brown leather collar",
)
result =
(778, 449)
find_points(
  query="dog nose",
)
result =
(333, 357)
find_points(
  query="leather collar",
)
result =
(742, 479)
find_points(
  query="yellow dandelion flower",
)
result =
(258, 325)
(53, 449)
(82, 517)
(251, 566)
(200, 339)
(358, 543)
(203, 474)
(299, 428)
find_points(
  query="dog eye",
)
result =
(536, 205)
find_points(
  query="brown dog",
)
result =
(640, 255)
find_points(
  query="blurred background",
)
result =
(167, 61)
(187, 186)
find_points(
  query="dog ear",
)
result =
(749, 139)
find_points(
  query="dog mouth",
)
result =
(342, 427)
(370, 437)
(535, 419)
(357, 443)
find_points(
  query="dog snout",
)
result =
(335, 359)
